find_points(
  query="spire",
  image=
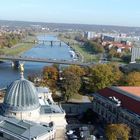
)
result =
(22, 70)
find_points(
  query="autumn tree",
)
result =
(71, 84)
(34, 78)
(72, 80)
(94, 47)
(50, 76)
(102, 76)
(117, 131)
(76, 70)
(1, 52)
(116, 72)
(112, 52)
(132, 79)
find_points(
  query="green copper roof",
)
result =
(21, 95)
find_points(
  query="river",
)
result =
(8, 74)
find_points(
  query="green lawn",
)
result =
(77, 97)
(18, 49)
(85, 54)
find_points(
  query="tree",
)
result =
(117, 131)
(1, 52)
(71, 84)
(112, 52)
(76, 70)
(126, 58)
(11, 39)
(94, 47)
(116, 72)
(35, 78)
(102, 76)
(132, 79)
(50, 77)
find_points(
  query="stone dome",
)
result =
(21, 95)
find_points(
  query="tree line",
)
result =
(75, 79)
(10, 39)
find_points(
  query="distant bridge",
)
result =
(16, 59)
(51, 42)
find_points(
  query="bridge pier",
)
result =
(60, 44)
(51, 43)
(15, 64)
(1, 61)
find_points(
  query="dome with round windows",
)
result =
(21, 95)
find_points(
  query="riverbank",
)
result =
(85, 56)
(39, 51)
(20, 48)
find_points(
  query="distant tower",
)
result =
(135, 54)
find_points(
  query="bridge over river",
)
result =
(50, 42)
(15, 60)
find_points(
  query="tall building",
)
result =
(108, 38)
(89, 35)
(119, 105)
(135, 54)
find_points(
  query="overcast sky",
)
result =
(103, 12)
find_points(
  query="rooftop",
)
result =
(131, 90)
(21, 95)
(46, 109)
(129, 96)
(42, 90)
(23, 129)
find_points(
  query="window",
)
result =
(12, 138)
(14, 114)
(1, 134)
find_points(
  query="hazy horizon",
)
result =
(89, 12)
(68, 23)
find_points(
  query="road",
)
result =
(43, 60)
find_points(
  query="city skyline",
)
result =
(105, 12)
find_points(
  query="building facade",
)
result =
(13, 129)
(89, 35)
(24, 101)
(135, 54)
(119, 105)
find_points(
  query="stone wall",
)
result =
(76, 108)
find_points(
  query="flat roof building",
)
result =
(129, 96)
(119, 105)
(13, 129)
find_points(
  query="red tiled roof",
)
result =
(120, 45)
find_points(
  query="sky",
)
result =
(102, 12)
